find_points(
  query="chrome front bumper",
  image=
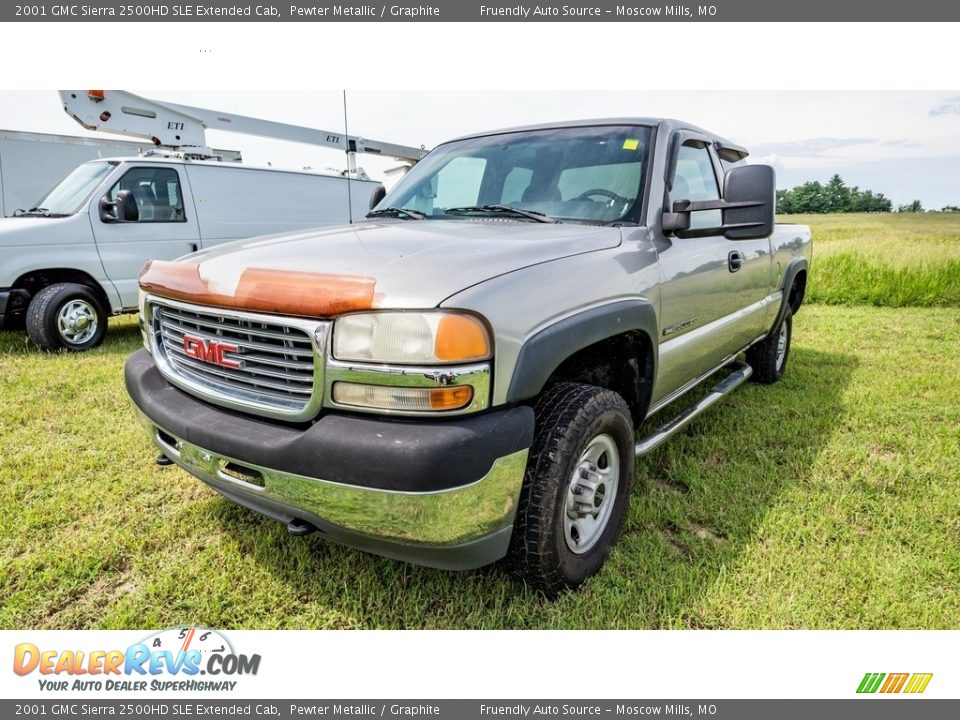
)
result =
(457, 528)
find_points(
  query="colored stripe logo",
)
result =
(914, 683)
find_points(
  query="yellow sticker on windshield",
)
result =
(631, 143)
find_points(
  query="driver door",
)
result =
(700, 296)
(164, 231)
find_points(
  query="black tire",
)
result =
(569, 418)
(763, 357)
(43, 315)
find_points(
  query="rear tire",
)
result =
(769, 357)
(576, 489)
(66, 316)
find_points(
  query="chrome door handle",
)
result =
(734, 260)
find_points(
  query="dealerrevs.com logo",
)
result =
(178, 659)
(892, 683)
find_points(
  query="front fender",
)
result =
(543, 352)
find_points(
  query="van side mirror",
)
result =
(747, 206)
(379, 193)
(123, 209)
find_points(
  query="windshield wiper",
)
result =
(396, 212)
(502, 210)
(38, 211)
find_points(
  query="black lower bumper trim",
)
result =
(422, 455)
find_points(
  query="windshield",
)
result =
(582, 174)
(72, 192)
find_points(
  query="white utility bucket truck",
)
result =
(71, 259)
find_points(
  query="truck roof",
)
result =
(668, 125)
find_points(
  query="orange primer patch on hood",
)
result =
(264, 290)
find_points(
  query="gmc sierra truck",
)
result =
(458, 378)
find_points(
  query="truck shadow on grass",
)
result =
(696, 505)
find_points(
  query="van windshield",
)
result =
(72, 192)
(583, 174)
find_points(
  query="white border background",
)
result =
(523, 56)
(438, 664)
(568, 56)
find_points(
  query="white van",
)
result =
(32, 163)
(72, 259)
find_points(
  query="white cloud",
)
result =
(811, 146)
(950, 106)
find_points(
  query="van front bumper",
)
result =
(13, 308)
(436, 493)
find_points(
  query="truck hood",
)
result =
(414, 263)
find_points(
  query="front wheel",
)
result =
(576, 489)
(66, 316)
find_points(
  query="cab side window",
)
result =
(515, 184)
(157, 192)
(695, 179)
(458, 184)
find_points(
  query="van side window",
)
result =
(157, 192)
(695, 179)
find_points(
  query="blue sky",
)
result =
(904, 144)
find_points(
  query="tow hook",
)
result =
(163, 460)
(299, 528)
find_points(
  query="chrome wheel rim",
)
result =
(591, 494)
(77, 321)
(782, 346)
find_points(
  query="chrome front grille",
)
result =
(247, 361)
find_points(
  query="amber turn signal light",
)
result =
(450, 398)
(461, 338)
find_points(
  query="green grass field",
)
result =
(888, 260)
(830, 500)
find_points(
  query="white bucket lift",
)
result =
(181, 128)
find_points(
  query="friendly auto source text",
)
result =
(535, 11)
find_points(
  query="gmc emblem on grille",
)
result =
(209, 351)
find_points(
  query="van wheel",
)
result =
(66, 316)
(576, 488)
(769, 357)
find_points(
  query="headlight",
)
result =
(411, 338)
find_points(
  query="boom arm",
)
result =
(182, 127)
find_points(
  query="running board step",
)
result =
(741, 371)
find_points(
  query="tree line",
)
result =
(833, 197)
(836, 196)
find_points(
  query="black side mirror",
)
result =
(748, 207)
(123, 209)
(379, 193)
(127, 206)
(750, 193)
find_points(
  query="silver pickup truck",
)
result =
(458, 379)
